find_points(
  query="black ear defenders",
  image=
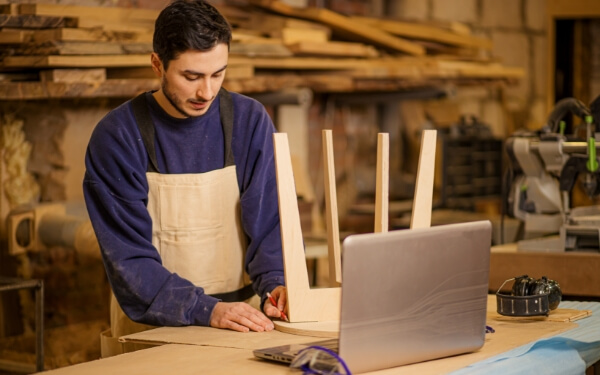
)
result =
(529, 297)
(528, 286)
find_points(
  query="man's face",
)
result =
(192, 81)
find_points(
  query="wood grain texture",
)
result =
(331, 210)
(228, 352)
(421, 213)
(303, 303)
(327, 329)
(35, 22)
(382, 183)
(426, 32)
(343, 49)
(342, 24)
(106, 13)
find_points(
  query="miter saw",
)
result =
(545, 166)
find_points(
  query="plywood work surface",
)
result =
(509, 334)
(208, 336)
(575, 271)
(180, 360)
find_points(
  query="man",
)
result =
(181, 191)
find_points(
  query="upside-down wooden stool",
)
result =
(316, 312)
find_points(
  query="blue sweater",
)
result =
(116, 194)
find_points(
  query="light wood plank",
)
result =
(114, 25)
(126, 88)
(35, 22)
(331, 211)
(84, 48)
(422, 206)
(89, 35)
(343, 24)
(231, 73)
(290, 35)
(9, 8)
(275, 82)
(345, 49)
(259, 48)
(267, 23)
(14, 36)
(382, 183)
(77, 61)
(426, 32)
(299, 63)
(73, 75)
(107, 13)
(564, 9)
(303, 304)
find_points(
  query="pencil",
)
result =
(274, 303)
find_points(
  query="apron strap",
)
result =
(146, 126)
(237, 295)
(226, 111)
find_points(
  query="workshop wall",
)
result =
(58, 132)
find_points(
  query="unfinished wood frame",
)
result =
(422, 201)
(303, 303)
(317, 305)
(382, 183)
(331, 211)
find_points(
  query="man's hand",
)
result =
(239, 316)
(279, 294)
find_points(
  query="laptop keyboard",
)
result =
(332, 345)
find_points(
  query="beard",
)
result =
(175, 101)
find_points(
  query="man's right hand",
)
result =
(239, 316)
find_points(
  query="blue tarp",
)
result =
(570, 352)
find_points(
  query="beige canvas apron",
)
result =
(196, 228)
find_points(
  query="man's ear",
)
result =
(157, 65)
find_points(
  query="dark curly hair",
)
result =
(188, 25)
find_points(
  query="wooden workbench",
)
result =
(576, 272)
(194, 350)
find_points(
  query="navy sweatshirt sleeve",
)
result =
(116, 193)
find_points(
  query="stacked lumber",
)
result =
(50, 50)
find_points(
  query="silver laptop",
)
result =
(409, 296)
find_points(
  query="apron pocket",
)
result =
(203, 262)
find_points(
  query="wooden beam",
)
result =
(106, 13)
(15, 36)
(331, 211)
(35, 22)
(84, 48)
(298, 63)
(9, 8)
(344, 49)
(422, 205)
(126, 88)
(114, 25)
(382, 184)
(73, 75)
(344, 25)
(89, 35)
(564, 9)
(290, 35)
(267, 23)
(426, 32)
(77, 61)
(260, 48)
